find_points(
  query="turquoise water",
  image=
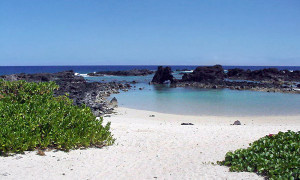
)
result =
(195, 101)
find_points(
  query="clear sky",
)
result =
(149, 32)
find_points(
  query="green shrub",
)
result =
(275, 156)
(31, 117)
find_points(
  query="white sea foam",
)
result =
(83, 75)
(188, 71)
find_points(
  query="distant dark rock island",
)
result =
(92, 94)
(270, 80)
(133, 72)
(162, 75)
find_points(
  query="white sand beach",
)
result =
(153, 148)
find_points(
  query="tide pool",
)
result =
(195, 101)
(225, 102)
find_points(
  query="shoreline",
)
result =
(153, 148)
(215, 120)
(281, 116)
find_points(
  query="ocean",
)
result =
(88, 69)
(187, 101)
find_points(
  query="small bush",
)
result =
(31, 117)
(275, 156)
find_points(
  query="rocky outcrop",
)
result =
(209, 74)
(91, 94)
(65, 76)
(269, 80)
(237, 72)
(133, 72)
(162, 75)
(242, 85)
(269, 74)
(293, 76)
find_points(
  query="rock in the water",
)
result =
(187, 124)
(268, 74)
(163, 74)
(114, 102)
(237, 122)
(205, 74)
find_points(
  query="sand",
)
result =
(153, 148)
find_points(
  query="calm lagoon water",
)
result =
(210, 102)
(195, 101)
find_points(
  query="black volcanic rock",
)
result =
(265, 74)
(82, 92)
(237, 122)
(187, 124)
(213, 77)
(269, 74)
(133, 72)
(236, 72)
(163, 74)
(292, 76)
(205, 74)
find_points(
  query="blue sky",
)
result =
(149, 32)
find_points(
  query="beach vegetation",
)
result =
(276, 156)
(31, 117)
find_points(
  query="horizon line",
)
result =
(142, 65)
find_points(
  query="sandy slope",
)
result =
(153, 148)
